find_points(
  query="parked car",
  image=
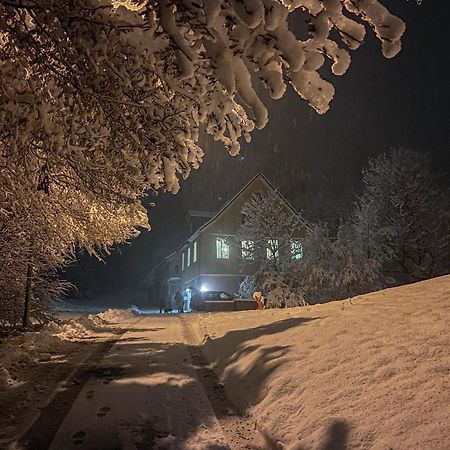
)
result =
(199, 298)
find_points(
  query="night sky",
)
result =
(314, 160)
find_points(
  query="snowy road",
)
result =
(146, 393)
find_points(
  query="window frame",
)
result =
(222, 248)
(194, 252)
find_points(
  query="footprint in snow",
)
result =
(103, 411)
(90, 394)
(78, 437)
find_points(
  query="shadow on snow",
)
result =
(143, 391)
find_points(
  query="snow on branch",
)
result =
(127, 86)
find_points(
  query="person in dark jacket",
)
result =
(179, 301)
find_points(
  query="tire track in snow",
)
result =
(240, 431)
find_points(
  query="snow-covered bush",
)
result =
(283, 290)
(335, 268)
(327, 268)
(247, 287)
(331, 269)
(402, 217)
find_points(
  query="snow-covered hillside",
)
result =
(371, 372)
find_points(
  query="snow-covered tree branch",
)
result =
(116, 93)
(268, 231)
(402, 217)
(40, 227)
(102, 101)
(270, 237)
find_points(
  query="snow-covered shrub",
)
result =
(247, 287)
(402, 217)
(335, 268)
(283, 291)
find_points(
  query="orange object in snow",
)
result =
(258, 297)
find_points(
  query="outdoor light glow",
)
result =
(204, 288)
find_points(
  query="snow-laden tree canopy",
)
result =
(402, 218)
(102, 101)
(110, 97)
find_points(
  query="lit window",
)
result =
(222, 248)
(296, 249)
(194, 252)
(247, 249)
(188, 262)
(272, 249)
(182, 261)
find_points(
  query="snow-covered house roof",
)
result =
(259, 176)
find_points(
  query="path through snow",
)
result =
(144, 393)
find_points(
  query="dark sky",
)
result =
(314, 160)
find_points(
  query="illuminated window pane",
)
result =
(194, 253)
(272, 249)
(182, 261)
(188, 263)
(296, 249)
(247, 250)
(222, 248)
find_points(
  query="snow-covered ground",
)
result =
(152, 398)
(140, 392)
(371, 372)
(33, 364)
(101, 302)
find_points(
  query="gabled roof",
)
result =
(259, 175)
(164, 260)
(227, 205)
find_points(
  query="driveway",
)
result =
(145, 392)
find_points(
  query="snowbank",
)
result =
(33, 364)
(115, 315)
(370, 372)
(27, 349)
(17, 352)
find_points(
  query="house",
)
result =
(165, 281)
(208, 260)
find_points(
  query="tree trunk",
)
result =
(26, 309)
